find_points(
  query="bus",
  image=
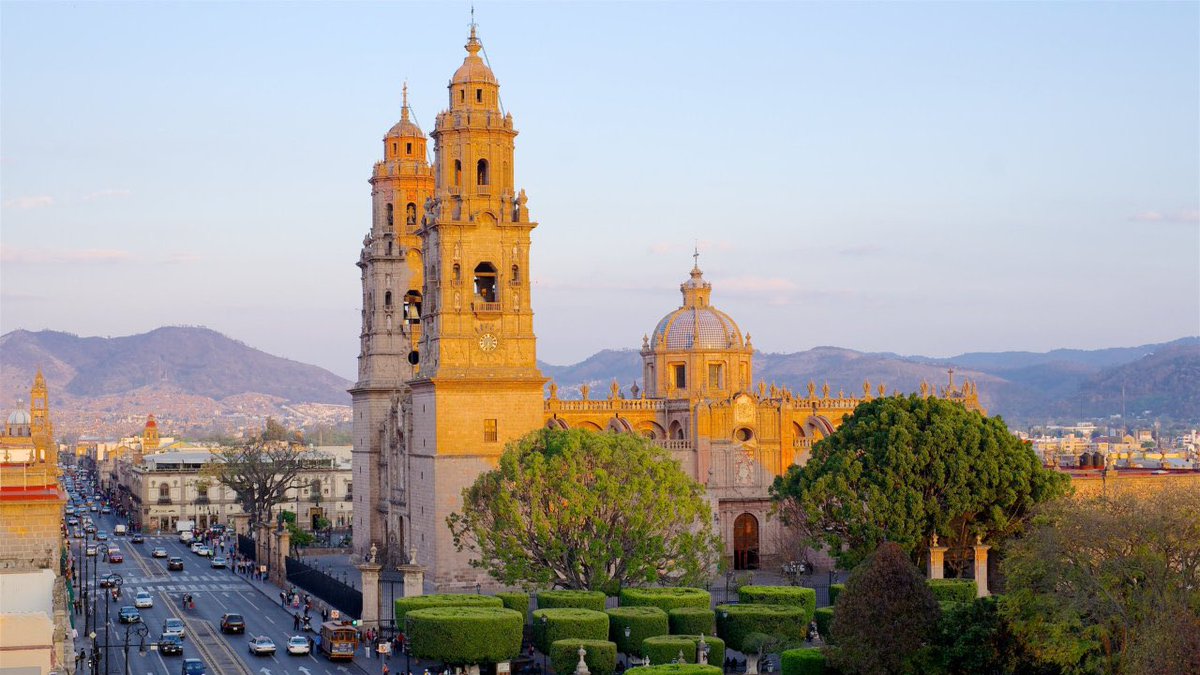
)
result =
(338, 640)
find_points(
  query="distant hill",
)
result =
(1023, 387)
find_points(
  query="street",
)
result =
(215, 592)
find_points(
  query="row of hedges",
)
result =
(808, 661)
(465, 635)
(406, 605)
(676, 669)
(593, 600)
(824, 619)
(953, 590)
(601, 657)
(666, 599)
(780, 595)
(692, 621)
(834, 591)
(567, 623)
(643, 622)
(736, 622)
(666, 648)
(515, 601)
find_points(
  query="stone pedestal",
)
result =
(937, 562)
(240, 523)
(283, 542)
(370, 594)
(414, 580)
(981, 570)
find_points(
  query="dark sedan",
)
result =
(129, 614)
(170, 645)
(175, 563)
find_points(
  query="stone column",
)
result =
(981, 571)
(283, 540)
(414, 575)
(937, 559)
(370, 593)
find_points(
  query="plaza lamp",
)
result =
(628, 631)
(545, 660)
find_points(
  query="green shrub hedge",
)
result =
(567, 623)
(405, 605)
(834, 591)
(593, 600)
(601, 657)
(666, 648)
(780, 595)
(692, 621)
(643, 622)
(824, 619)
(465, 635)
(735, 622)
(808, 661)
(665, 599)
(676, 669)
(953, 590)
(515, 601)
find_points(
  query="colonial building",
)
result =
(449, 375)
(35, 628)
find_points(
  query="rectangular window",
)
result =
(489, 431)
(479, 95)
(407, 148)
(715, 376)
(680, 372)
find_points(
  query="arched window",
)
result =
(457, 172)
(516, 275)
(390, 221)
(164, 491)
(485, 282)
(387, 299)
(393, 148)
(481, 172)
(412, 306)
(410, 213)
(457, 272)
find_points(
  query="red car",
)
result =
(116, 557)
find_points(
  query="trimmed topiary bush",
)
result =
(676, 669)
(643, 622)
(692, 621)
(465, 635)
(834, 591)
(666, 648)
(824, 619)
(736, 622)
(953, 590)
(593, 600)
(665, 599)
(601, 657)
(405, 605)
(515, 601)
(807, 661)
(567, 623)
(780, 595)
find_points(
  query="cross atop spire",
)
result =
(404, 104)
(473, 25)
(696, 257)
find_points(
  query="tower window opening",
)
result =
(389, 248)
(462, 94)
(516, 275)
(457, 272)
(479, 96)
(412, 306)
(716, 375)
(680, 373)
(387, 299)
(408, 148)
(490, 434)
(485, 282)
(390, 215)
(481, 172)
(410, 213)
(394, 148)
(457, 172)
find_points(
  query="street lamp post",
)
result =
(628, 631)
(94, 664)
(142, 630)
(545, 662)
(116, 585)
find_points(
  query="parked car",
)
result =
(159, 552)
(170, 645)
(174, 627)
(175, 564)
(261, 645)
(193, 667)
(232, 623)
(218, 561)
(298, 644)
(143, 600)
(129, 614)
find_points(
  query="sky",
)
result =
(918, 178)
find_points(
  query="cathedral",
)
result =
(447, 370)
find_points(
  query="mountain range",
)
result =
(198, 379)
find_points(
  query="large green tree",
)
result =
(585, 510)
(903, 468)
(1110, 585)
(260, 473)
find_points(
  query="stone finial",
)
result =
(934, 540)
(373, 556)
(614, 391)
(866, 389)
(584, 390)
(812, 389)
(553, 390)
(412, 555)
(635, 389)
(645, 341)
(825, 390)
(882, 389)
(581, 668)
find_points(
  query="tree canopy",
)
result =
(583, 510)
(260, 474)
(903, 468)
(1110, 584)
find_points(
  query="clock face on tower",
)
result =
(488, 342)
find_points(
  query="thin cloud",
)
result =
(753, 284)
(106, 194)
(860, 250)
(672, 248)
(19, 256)
(182, 258)
(1192, 216)
(38, 202)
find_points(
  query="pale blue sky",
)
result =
(925, 178)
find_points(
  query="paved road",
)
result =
(215, 591)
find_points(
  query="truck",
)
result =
(119, 530)
(184, 529)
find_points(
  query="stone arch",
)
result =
(676, 431)
(590, 426)
(557, 423)
(619, 425)
(817, 427)
(745, 542)
(650, 429)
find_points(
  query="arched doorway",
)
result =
(745, 542)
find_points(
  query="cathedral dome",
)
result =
(697, 324)
(19, 417)
(473, 69)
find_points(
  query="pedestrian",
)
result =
(295, 622)
(310, 644)
(385, 669)
(282, 599)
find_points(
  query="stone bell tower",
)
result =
(391, 267)
(478, 385)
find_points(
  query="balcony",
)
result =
(349, 497)
(164, 500)
(486, 307)
(202, 499)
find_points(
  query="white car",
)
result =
(298, 644)
(261, 645)
(91, 550)
(174, 627)
(202, 550)
(143, 600)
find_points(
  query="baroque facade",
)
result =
(447, 365)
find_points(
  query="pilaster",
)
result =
(981, 569)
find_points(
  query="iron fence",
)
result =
(335, 593)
